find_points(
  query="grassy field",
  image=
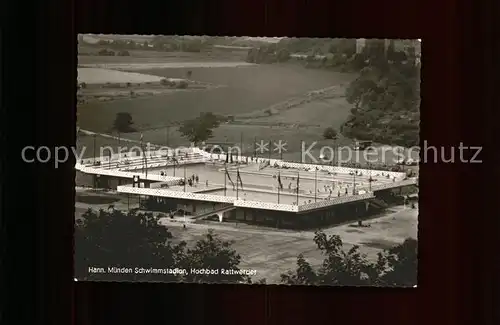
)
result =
(102, 76)
(88, 56)
(247, 89)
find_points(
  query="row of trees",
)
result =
(318, 53)
(113, 238)
(107, 52)
(158, 43)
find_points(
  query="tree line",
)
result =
(385, 97)
(114, 238)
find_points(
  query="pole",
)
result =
(143, 155)
(128, 201)
(255, 147)
(237, 182)
(301, 146)
(334, 152)
(315, 184)
(370, 179)
(225, 180)
(241, 144)
(279, 186)
(270, 148)
(298, 184)
(145, 162)
(185, 181)
(94, 137)
(354, 182)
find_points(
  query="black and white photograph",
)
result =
(249, 160)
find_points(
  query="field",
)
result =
(102, 76)
(247, 89)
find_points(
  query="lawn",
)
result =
(102, 76)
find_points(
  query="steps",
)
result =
(378, 203)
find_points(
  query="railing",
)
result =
(174, 194)
(335, 201)
(208, 212)
(123, 174)
(406, 182)
(266, 206)
(303, 166)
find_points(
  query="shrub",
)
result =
(182, 84)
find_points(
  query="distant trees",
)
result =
(386, 97)
(330, 134)
(179, 84)
(201, 128)
(123, 53)
(394, 267)
(112, 238)
(123, 123)
(105, 52)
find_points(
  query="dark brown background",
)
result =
(458, 202)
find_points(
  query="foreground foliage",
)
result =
(394, 267)
(129, 240)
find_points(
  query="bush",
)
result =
(105, 52)
(123, 53)
(181, 84)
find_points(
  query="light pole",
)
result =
(241, 145)
(185, 180)
(315, 184)
(94, 138)
(354, 181)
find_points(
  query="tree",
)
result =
(123, 123)
(283, 55)
(394, 267)
(402, 264)
(330, 133)
(116, 239)
(105, 52)
(123, 53)
(385, 90)
(213, 253)
(201, 128)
